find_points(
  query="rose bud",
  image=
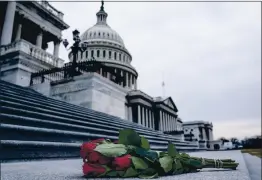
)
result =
(89, 147)
(122, 163)
(93, 169)
(96, 157)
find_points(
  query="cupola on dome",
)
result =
(101, 31)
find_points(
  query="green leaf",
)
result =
(150, 155)
(148, 173)
(172, 150)
(129, 137)
(131, 172)
(166, 163)
(107, 170)
(112, 174)
(111, 150)
(177, 167)
(139, 163)
(144, 143)
(148, 177)
(121, 173)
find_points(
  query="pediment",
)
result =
(170, 103)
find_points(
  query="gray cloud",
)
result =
(209, 53)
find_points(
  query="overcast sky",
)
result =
(208, 54)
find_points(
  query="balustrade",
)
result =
(33, 51)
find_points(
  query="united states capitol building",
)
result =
(26, 27)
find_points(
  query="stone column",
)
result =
(6, 36)
(135, 84)
(146, 117)
(39, 39)
(170, 123)
(160, 121)
(130, 81)
(204, 134)
(164, 119)
(150, 119)
(138, 115)
(19, 27)
(56, 47)
(108, 75)
(143, 116)
(126, 80)
(130, 114)
(174, 123)
(153, 120)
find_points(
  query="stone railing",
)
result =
(31, 50)
(51, 9)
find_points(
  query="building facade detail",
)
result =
(26, 28)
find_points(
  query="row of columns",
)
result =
(210, 134)
(167, 122)
(130, 79)
(145, 117)
(7, 34)
(107, 54)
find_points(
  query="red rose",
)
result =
(97, 140)
(89, 147)
(122, 163)
(96, 157)
(93, 169)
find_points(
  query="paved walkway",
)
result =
(71, 169)
(253, 165)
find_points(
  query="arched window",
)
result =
(119, 57)
(110, 53)
(94, 34)
(97, 53)
(108, 34)
(104, 53)
(86, 54)
(99, 34)
(92, 53)
(104, 34)
(115, 56)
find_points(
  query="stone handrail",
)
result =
(32, 50)
(51, 9)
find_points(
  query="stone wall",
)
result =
(91, 91)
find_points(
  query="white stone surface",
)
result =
(93, 91)
(72, 169)
(254, 166)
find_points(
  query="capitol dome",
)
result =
(101, 31)
(105, 45)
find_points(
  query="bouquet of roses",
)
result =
(131, 156)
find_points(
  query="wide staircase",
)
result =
(34, 126)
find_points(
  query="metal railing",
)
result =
(69, 71)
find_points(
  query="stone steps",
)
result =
(101, 120)
(34, 126)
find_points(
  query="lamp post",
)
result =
(77, 46)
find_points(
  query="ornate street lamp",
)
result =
(75, 48)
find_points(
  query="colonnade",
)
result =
(208, 131)
(7, 32)
(167, 122)
(130, 80)
(106, 53)
(145, 117)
